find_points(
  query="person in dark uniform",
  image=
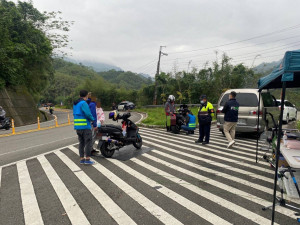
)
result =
(205, 114)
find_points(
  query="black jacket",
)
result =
(231, 110)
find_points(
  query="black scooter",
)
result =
(180, 118)
(113, 137)
(5, 124)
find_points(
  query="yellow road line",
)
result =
(34, 130)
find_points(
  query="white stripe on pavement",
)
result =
(221, 165)
(72, 208)
(205, 194)
(32, 214)
(228, 151)
(224, 141)
(108, 204)
(215, 183)
(202, 212)
(151, 207)
(208, 154)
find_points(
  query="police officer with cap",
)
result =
(205, 114)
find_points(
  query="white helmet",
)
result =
(171, 98)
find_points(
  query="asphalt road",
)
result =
(171, 180)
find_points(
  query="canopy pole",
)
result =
(259, 93)
(277, 154)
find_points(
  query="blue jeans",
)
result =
(186, 128)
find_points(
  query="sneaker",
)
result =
(82, 161)
(230, 144)
(89, 162)
(204, 143)
(198, 141)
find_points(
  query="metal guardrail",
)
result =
(177, 105)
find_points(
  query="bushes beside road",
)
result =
(156, 116)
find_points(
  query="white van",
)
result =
(248, 111)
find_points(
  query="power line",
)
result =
(248, 39)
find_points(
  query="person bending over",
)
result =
(190, 123)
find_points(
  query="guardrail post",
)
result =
(38, 123)
(13, 126)
(69, 122)
(56, 124)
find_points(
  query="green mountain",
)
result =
(265, 68)
(128, 80)
(97, 66)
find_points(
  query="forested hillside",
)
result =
(127, 80)
(110, 86)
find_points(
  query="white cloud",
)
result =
(128, 33)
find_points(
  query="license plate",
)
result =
(104, 138)
(242, 121)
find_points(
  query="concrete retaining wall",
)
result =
(20, 106)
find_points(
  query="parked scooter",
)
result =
(178, 120)
(113, 137)
(5, 124)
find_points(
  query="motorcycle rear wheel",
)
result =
(105, 150)
(139, 142)
(175, 129)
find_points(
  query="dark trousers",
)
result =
(85, 142)
(204, 131)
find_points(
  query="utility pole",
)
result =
(157, 74)
(189, 66)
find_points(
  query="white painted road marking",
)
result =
(32, 214)
(73, 211)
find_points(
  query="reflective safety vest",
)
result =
(206, 113)
(192, 121)
(80, 121)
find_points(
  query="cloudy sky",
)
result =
(128, 33)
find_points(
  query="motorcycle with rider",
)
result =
(4, 121)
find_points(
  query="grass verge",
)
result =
(157, 116)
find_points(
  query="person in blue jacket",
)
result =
(190, 122)
(82, 124)
(92, 105)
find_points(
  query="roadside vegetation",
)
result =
(157, 116)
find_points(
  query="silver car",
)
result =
(248, 111)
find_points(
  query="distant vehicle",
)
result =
(289, 111)
(248, 100)
(5, 123)
(125, 105)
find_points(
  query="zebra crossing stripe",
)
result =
(218, 200)
(208, 154)
(202, 212)
(221, 165)
(151, 207)
(215, 183)
(32, 214)
(213, 139)
(244, 140)
(73, 211)
(108, 204)
(228, 151)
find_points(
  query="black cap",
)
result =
(233, 93)
(203, 97)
